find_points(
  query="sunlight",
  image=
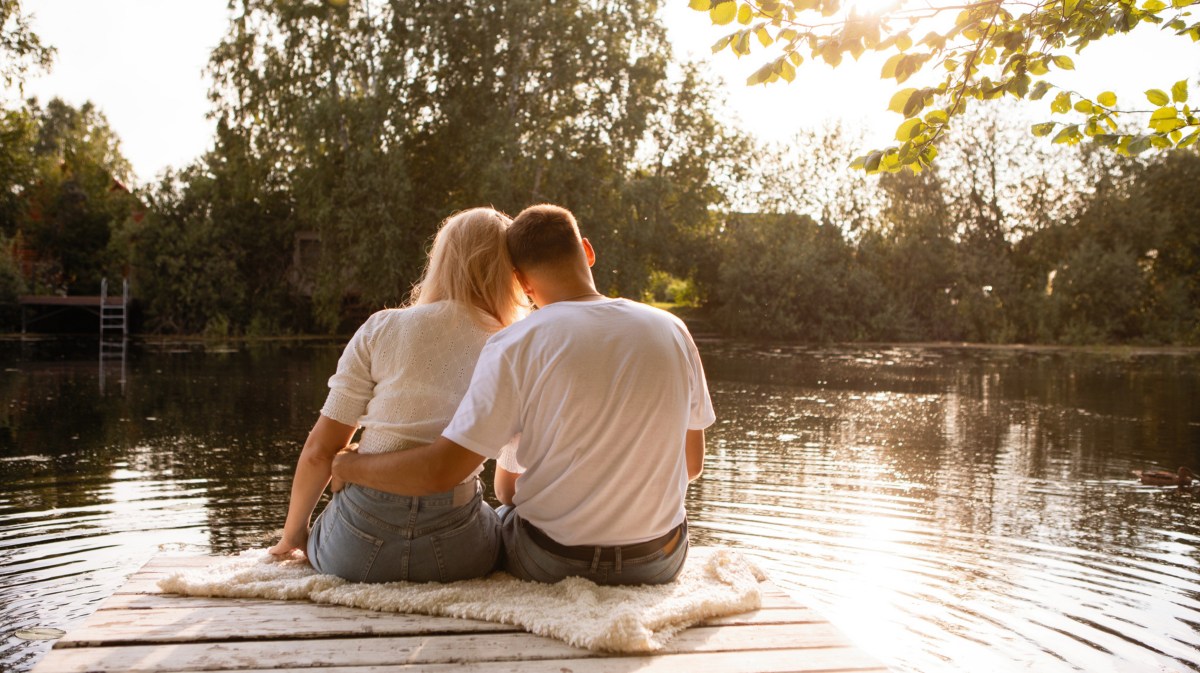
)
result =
(873, 7)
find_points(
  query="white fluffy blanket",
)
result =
(713, 583)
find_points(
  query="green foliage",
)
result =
(786, 277)
(990, 50)
(11, 283)
(17, 166)
(61, 193)
(21, 50)
(359, 126)
(1099, 294)
(187, 272)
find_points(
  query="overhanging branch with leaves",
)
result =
(979, 50)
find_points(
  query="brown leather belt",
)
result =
(666, 543)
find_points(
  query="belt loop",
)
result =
(596, 558)
(617, 552)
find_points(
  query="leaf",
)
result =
(1179, 92)
(1165, 120)
(741, 43)
(872, 163)
(1019, 85)
(1043, 129)
(721, 43)
(1157, 96)
(1061, 103)
(1139, 144)
(1154, 5)
(909, 128)
(1107, 99)
(1039, 90)
(1190, 140)
(1069, 135)
(1064, 62)
(723, 12)
(745, 15)
(795, 58)
(915, 104)
(889, 66)
(761, 75)
(1084, 106)
(900, 100)
(700, 5)
(1069, 7)
(903, 41)
(785, 69)
(764, 38)
(936, 117)
(859, 163)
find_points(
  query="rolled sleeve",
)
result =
(352, 385)
(489, 416)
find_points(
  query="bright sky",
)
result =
(142, 61)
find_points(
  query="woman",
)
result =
(401, 378)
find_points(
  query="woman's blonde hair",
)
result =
(469, 263)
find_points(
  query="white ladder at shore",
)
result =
(114, 316)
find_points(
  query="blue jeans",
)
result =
(365, 535)
(526, 560)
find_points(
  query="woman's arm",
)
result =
(505, 484)
(312, 474)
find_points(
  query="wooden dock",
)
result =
(141, 629)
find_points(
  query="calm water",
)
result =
(950, 509)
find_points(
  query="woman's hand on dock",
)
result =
(288, 545)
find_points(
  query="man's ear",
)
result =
(522, 281)
(589, 251)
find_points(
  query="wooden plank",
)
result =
(141, 630)
(257, 620)
(428, 649)
(794, 660)
(778, 610)
(73, 300)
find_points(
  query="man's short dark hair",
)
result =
(543, 234)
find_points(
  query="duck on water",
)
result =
(1183, 477)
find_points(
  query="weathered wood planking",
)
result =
(141, 630)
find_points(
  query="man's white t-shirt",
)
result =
(602, 394)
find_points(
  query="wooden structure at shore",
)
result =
(113, 311)
(139, 629)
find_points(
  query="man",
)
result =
(609, 399)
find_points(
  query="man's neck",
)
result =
(570, 292)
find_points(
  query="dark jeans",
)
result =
(526, 560)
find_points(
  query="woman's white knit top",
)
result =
(404, 372)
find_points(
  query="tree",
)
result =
(378, 119)
(66, 195)
(21, 50)
(787, 277)
(990, 49)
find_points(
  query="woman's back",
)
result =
(404, 372)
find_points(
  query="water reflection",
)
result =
(950, 509)
(967, 510)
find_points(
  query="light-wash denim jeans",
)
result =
(365, 535)
(526, 560)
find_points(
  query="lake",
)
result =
(949, 508)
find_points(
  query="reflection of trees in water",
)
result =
(232, 421)
(1015, 444)
(981, 496)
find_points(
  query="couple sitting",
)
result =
(594, 408)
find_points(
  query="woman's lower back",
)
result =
(365, 535)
